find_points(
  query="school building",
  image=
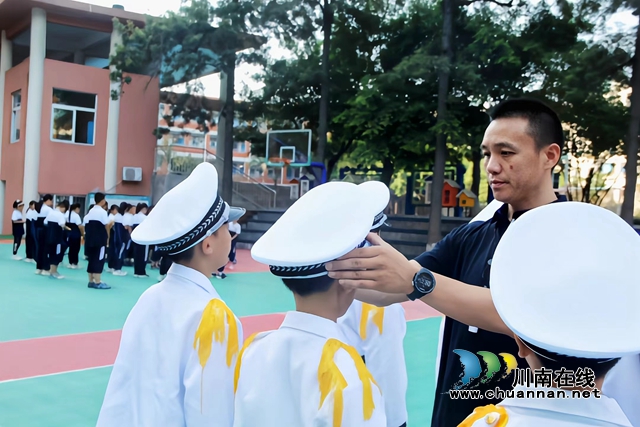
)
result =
(61, 131)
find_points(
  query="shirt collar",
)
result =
(603, 409)
(502, 214)
(313, 324)
(193, 276)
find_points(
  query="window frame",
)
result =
(14, 110)
(75, 110)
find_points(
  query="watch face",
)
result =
(423, 283)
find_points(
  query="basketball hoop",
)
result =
(280, 161)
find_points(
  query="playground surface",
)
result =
(59, 339)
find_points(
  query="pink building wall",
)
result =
(78, 169)
(12, 170)
(68, 168)
(136, 142)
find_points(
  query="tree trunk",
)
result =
(435, 215)
(325, 92)
(631, 168)
(387, 171)
(227, 139)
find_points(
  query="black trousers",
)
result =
(96, 257)
(55, 252)
(118, 257)
(17, 240)
(74, 249)
(232, 254)
(139, 259)
(42, 255)
(30, 246)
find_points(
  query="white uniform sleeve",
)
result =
(16, 216)
(209, 394)
(104, 217)
(352, 398)
(384, 355)
(75, 219)
(62, 220)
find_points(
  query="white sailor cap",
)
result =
(326, 223)
(187, 214)
(564, 278)
(379, 193)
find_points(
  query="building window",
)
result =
(240, 147)
(16, 102)
(74, 117)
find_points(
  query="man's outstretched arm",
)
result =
(382, 268)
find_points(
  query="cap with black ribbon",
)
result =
(326, 223)
(578, 298)
(379, 194)
(187, 214)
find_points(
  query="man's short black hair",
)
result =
(600, 367)
(545, 126)
(306, 287)
(47, 197)
(98, 197)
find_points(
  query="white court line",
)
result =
(56, 373)
(58, 336)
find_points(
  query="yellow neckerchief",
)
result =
(215, 316)
(331, 379)
(378, 318)
(495, 416)
(236, 375)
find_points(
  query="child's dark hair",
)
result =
(124, 207)
(113, 208)
(306, 287)
(182, 257)
(74, 206)
(64, 204)
(98, 197)
(600, 367)
(33, 203)
(47, 197)
(140, 207)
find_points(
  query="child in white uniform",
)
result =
(180, 342)
(17, 227)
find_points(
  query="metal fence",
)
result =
(174, 163)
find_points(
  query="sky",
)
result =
(244, 72)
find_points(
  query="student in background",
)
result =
(127, 221)
(113, 211)
(74, 234)
(84, 224)
(17, 223)
(30, 240)
(235, 229)
(42, 257)
(118, 238)
(139, 251)
(96, 232)
(55, 225)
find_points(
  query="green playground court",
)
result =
(58, 339)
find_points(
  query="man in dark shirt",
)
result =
(521, 147)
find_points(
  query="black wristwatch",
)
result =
(423, 284)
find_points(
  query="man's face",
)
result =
(516, 169)
(49, 203)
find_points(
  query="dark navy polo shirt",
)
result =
(465, 254)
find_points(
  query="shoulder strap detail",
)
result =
(331, 379)
(378, 318)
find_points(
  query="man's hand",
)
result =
(379, 267)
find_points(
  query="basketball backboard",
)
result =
(293, 145)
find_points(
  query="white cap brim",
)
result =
(564, 278)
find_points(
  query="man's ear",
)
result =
(552, 154)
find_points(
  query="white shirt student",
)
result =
(180, 343)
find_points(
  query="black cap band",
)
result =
(212, 217)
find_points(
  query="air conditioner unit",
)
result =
(131, 174)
